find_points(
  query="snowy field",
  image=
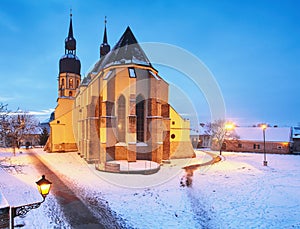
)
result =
(237, 192)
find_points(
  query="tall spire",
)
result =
(70, 42)
(104, 47)
(71, 26)
(70, 63)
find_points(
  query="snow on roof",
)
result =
(272, 134)
(194, 132)
(296, 132)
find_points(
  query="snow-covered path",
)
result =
(235, 193)
(76, 212)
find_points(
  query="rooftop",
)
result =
(272, 134)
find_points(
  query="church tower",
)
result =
(69, 67)
(61, 138)
(104, 47)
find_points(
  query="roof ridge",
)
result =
(127, 50)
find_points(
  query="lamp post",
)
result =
(228, 127)
(44, 188)
(264, 127)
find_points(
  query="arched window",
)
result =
(62, 83)
(77, 83)
(121, 112)
(140, 118)
(70, 93)
(70, 83)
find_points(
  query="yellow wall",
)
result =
(179, 127)
(180, 145)
(62, 136)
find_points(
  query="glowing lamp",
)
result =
(44, 186)
(263, 126)
(229, 126)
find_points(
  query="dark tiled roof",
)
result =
(126, 51)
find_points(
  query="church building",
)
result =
(119, 111)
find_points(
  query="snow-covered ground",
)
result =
(238, 192)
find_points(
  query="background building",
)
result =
(250, 139)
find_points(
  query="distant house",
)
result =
(250, 139)
(200, 139)
(296, 139)
(195, 140)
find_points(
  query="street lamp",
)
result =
(264, 127)
(43, 186)
(228, 127)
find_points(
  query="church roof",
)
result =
(272, 134)
(126, 51)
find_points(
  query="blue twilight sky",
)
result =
(251, 47)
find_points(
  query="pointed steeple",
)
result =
(71, 26)
(104, 47)
(70, 63)
(70, 42)
(105, 35)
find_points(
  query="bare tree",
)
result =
(3, 123)
(219, 130)
(17, 125)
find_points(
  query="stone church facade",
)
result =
(119, 111)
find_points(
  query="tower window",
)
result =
(131, 73)
(70, 83)
(70, 93)
(62, 82)
(77, 83)
(173, 136)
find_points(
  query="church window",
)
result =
(70, 83)
(140, 118)
(77, 83)
(62, 82)
(131, 73)
(70, 93)
(107, 75)
(121, 112)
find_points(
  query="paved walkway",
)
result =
(214, 159)
(77, 213)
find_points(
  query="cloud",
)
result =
(41, 112)
(5, 99)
